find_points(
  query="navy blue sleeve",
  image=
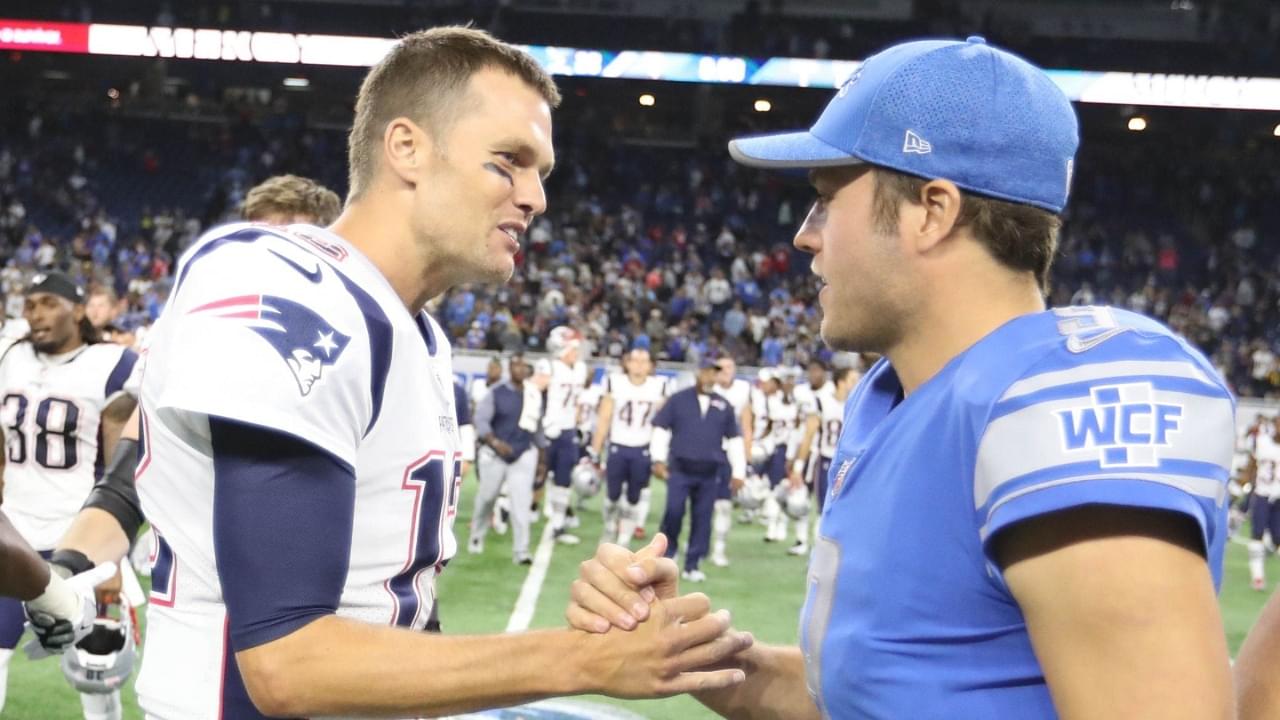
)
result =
(461, 404)
(731, 429)
(120, 373)
(663, 418)
(282, 518)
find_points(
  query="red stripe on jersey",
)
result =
(230, 302)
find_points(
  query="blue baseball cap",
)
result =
(981, 117)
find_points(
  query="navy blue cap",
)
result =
(56, 283)
(981, 117)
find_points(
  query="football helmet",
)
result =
(794, 501)
(585, 478)
(102, 661)
(753, 492)
(561, 338)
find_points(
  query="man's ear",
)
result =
(405, 149)
(940, 203)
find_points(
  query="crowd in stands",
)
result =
(677, 248)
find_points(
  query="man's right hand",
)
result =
(660, 470)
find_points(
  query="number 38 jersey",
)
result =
(51, 411)
(295, 330)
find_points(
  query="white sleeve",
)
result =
(660, 445)
(249, 338)
(737, 452)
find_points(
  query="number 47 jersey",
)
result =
(294, 330)
(51, 412)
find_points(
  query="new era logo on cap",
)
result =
(913, 143)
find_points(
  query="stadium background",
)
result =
(110, 166)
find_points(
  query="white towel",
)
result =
(532, 409)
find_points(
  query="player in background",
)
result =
(818, 442)
(817, 379)
(738, 392)
(560, 423)
(109, 521)
(1027, 513)
(631, 400)
(466, 426)
(776, 415)
(103, 308)
(296, 372)
(692, 430)
(67, 397)
(1264, 505)
(507, 421)
(289, 199)
(588, 414)
(479, 388)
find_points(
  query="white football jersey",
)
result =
(567, 382)
(807, 398)
(588, 404)
(831, 417)
(51, 413)
(777, 418)
(738, 394)
(295, 330)
(1266, 454)
(634, 407)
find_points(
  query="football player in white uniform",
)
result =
(295, 371)
(66, 399)
(738, 392)
(108, 522)
(821, 433)
(631, 399)
(776, 416)
(560, 423)
(1264, 506)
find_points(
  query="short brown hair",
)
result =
(1018, 236)
(423, 77)
(291, 196)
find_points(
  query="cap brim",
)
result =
(789, 151)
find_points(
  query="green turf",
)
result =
(764, 589)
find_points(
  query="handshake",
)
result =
(651, 642)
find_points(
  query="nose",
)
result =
(809, 237)
(530, 195)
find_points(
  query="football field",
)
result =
(764, 588)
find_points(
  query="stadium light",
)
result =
(1137, 123)
(647, 100)
(297, 82)
(763, 105)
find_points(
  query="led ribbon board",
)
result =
(1125, 88)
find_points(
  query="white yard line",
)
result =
(522, 615)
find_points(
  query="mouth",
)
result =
(513, 231)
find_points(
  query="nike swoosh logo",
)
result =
(1077, 344)
(312, 275)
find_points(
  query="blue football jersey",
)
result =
(907, 614)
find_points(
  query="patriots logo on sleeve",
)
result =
(305, 341)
